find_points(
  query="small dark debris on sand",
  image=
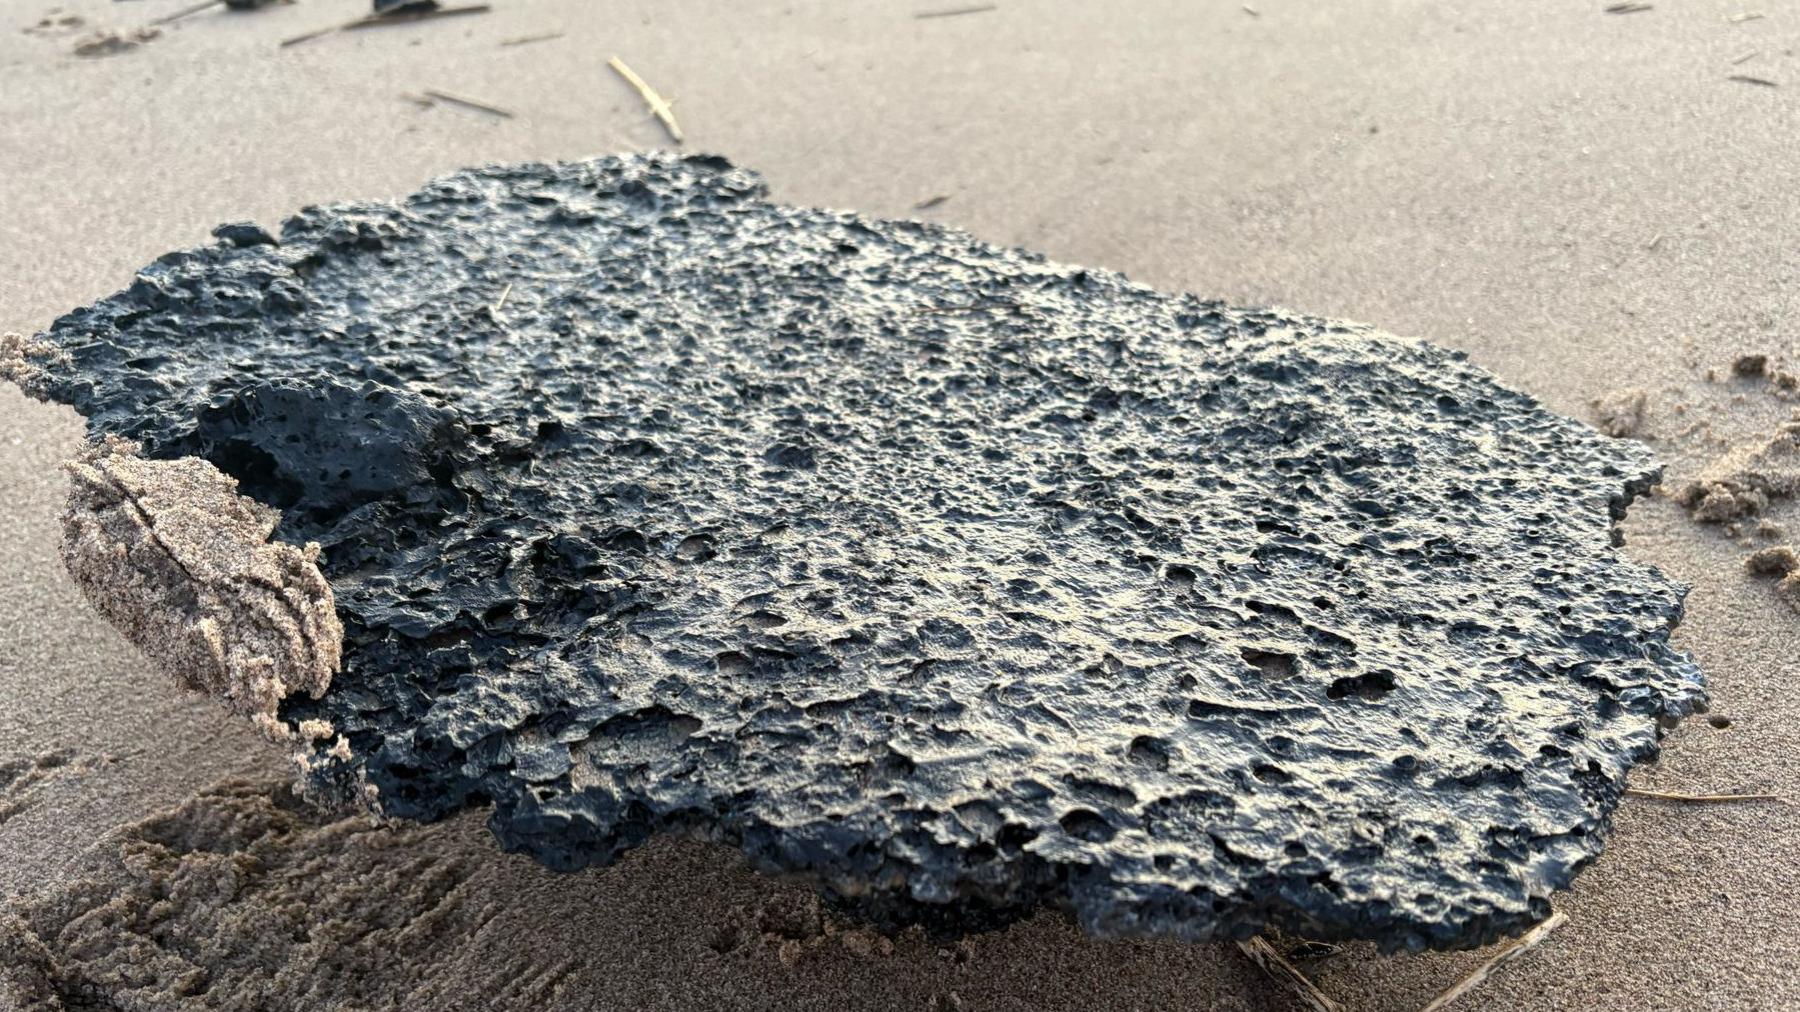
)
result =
(112, 43)
(1620, 414)
(1628, 8)
(415, 12)
(1750, 365)
(390, 15)
(55, 24)
(930, 202)
(206, 5)
(1748, 79)
(1306, 949)
(525, 40)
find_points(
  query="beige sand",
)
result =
(182, 566)
(1584, 202)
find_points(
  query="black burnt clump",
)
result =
(956, 580)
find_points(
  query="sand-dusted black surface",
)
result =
(953, 579)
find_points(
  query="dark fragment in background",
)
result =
(112, 43)
(956, 580)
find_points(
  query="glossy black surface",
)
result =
(955, 580)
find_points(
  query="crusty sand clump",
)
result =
(182, 565)
(27, 972)
(1782, 561)
(1763, 367)
(1745, 480)
(17, 355)
(1620, 414)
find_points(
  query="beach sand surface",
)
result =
(1586, 203)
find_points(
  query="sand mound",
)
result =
(245, 898)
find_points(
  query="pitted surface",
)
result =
(956, 580)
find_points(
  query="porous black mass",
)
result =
(956, 580)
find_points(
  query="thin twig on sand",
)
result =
(396, 18)
(1705, 799)
(930, 202)
(469, 103)
(185, 11)
(1747, 79)
(1253, 12)
(1264, 955)
(525, 40)
(315, 33)
(1627, 8)
(1654, 242)
(1746, 57)
(954, 11)
(1510, 951)
(659, 106)
(1743, 16)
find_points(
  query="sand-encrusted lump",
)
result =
(953, 579)
(1746, 479)
(181, 564)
